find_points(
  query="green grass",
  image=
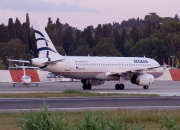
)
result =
(152, 120)
(66, 93)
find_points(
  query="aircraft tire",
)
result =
(146, 87)
(89, 86)
(121, 86)
(84, 87)
(117, 86)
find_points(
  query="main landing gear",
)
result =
(86, 85)
(146, 87)
(120, 86)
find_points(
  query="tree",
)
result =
(176, 18)
(60, 50)
(117, 39)
(107, 31)
(106, 48)
(49, 21)
(87, 33)
(67, 39)
(14, 49)
(134, 34)
(123, 39)
(152, 47)
(77, 39)
(4, 34)
(83, 50)
(1, 65)
(54, 31)
(82, 42)
(173, 44)
(27, 34)
(25, 37)
(58, 25)
(11, 28)
(147, 31)
(127, 48)
(98, 33)
(17, 26)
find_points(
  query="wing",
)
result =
(131, 72)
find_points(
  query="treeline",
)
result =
(153, 37)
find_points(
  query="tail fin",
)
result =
(45, 47)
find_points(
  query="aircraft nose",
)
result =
(161, 70)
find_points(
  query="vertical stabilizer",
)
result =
(45, 47)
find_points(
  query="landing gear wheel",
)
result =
(13, 85)
(84, 87)
(89, 86)
(146, 87)
(117, 86)
(121, 86)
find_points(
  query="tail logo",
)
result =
(46, 42)
(45, 48)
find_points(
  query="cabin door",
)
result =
(68, 66)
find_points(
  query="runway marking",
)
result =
(77, 109)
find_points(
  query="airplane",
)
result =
(25, 79)
(94, 70)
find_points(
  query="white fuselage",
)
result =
(26, 80)
(99, 67)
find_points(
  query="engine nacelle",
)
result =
(143, 80)
(97, 82)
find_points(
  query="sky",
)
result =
(83, 13)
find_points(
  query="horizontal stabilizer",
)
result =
(20, 61)
(53, 60)
(28, 67)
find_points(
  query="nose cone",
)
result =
(160, 72)
(26, 79)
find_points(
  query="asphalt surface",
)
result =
(73, 104)
(169, 92)
(162, 88)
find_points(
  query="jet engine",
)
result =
(96, 82)
(143, 80)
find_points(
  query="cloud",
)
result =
(43, 6)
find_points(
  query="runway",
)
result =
(169, 92)
(162, 88)
(74, 104)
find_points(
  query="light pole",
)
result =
(172, 60)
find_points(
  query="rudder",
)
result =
(45, 47)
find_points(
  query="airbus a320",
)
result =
(92, 70)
